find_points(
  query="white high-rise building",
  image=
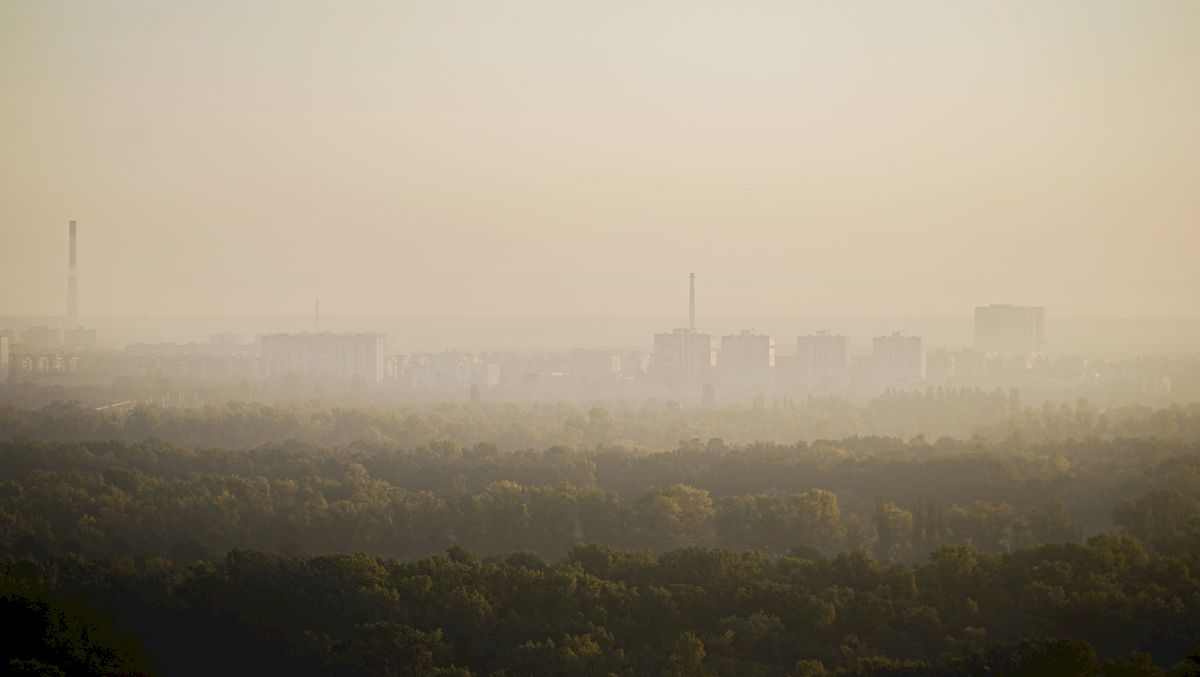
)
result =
(898, 359)
(354, 356)
(684, 356)
(747, 359)
(823, 359)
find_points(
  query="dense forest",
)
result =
(374, 542)
(600, 611)
(898, 500)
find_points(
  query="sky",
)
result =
(533, 157)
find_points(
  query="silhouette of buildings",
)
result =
(897, 360)
(445, 370)
(823, 359)
(684, 356)
(41, 338)
(1010, 330)
(324, 355)
(747, 359)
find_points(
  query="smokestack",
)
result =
(692, 301)
(317, 318)
(72, 285)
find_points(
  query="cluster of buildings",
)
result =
(823, 360)
(45, 349)
(443, 370)
(683, 358)
(225, 357)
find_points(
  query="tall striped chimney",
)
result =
(72, 285)
(691, 300)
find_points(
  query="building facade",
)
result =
(747, 359)
(41, 338)
(823, 360)
(684, 356)
(1010, 330)
(898, 360)
(324, 355)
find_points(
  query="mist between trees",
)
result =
(990, 416)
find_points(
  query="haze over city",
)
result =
(468, 338)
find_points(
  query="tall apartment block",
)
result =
(324, 355)
(747, 359)
(1010, 330)
(684, 356)
(898, 359)
(823, 359)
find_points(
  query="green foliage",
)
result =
(863, 556)
(895, 499)
(601, 611)
(44, 640)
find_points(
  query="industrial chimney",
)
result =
(72, 285)
(691, 300)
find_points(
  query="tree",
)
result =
(675, 515)
(1156, 514)
(1049, 524)
(894, 529)
(1136, 664)
(687, 656)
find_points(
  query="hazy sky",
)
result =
(519, 157)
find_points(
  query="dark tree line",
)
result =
(1105, 607)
